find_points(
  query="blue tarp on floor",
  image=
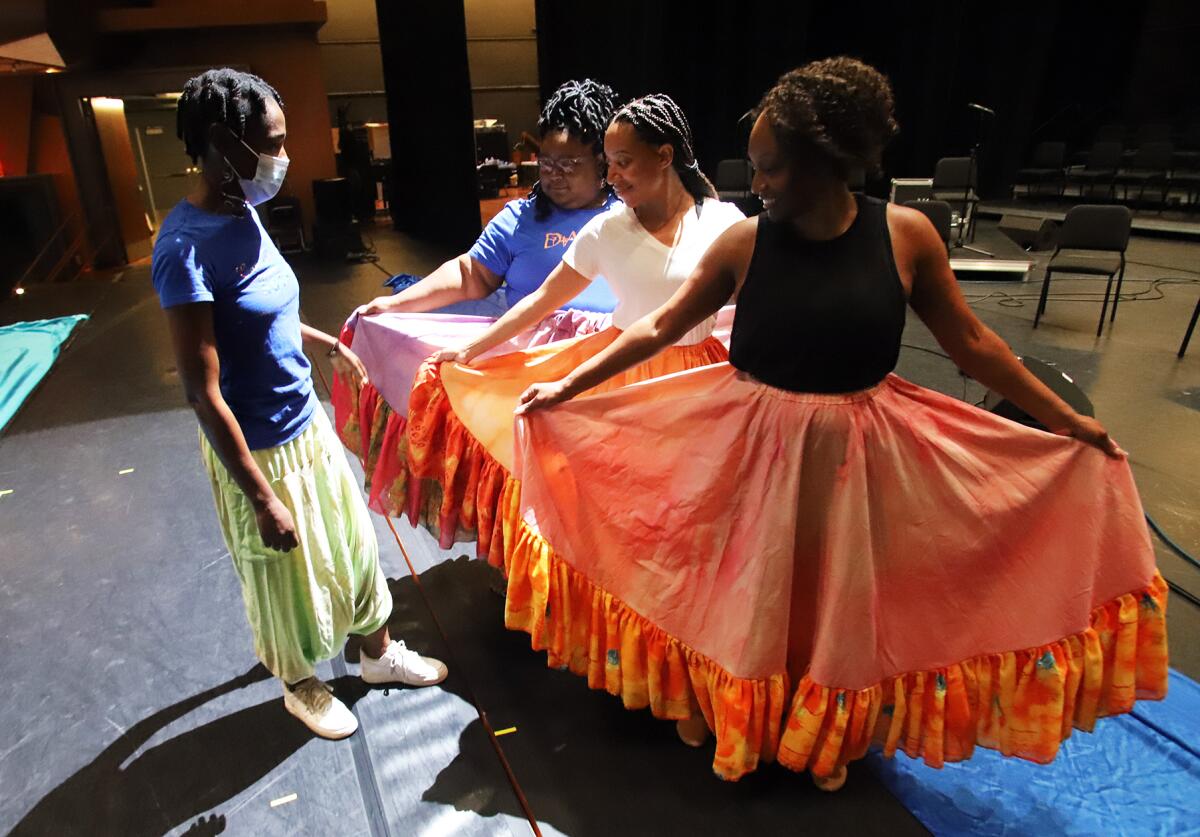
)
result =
(1138, 774)
(27, 351)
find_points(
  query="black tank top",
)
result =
(821, 316)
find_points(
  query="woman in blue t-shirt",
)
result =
(517, 250)
(527, 239)
(298, 531)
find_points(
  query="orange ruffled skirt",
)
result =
(370, 420)
(824, 572)
(460, 429)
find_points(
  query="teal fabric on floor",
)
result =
(27, 351)
(1138, 774)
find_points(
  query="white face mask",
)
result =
(268, 177)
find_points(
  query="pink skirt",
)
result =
(460, 429)
(371, 421)
(821, 572)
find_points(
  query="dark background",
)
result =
(1050, 70)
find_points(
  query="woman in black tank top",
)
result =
(821, 316)
(811, 553)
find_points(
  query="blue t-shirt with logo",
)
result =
(231, 262)
(524, 250)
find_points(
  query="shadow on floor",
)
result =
(587, 765)
(182, 777)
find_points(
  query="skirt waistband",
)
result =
(814, 397)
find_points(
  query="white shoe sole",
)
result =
(321, 732)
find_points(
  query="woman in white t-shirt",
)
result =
(460, 422)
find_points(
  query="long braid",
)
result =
(582, 109)
(224, 96)
(658, 120)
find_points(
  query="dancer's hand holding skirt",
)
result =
(827, 571)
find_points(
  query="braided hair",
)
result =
(659, 121)
(839, 105)
(221, 96)
(582, 109)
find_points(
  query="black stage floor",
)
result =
(131, 696)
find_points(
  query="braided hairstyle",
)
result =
(839, 105)
(659, 121)
(221, 96)
(582, 109)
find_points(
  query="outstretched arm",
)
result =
(562, 285)
(459, 279)
(345, 362)
(979, 351)
(715, 279)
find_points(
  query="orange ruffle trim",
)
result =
(374, 433)
(454, 486)
(454, 483)
(371, 430)
(1021, 703)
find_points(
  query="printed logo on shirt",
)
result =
(555, 239)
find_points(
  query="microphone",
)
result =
(981, 108)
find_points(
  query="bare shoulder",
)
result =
(911, 226)
(731, 253)
(916, 244)
(735, 245)
(740, 235)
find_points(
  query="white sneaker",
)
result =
(400, 665)
(312, 701)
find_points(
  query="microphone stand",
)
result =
(972, 178)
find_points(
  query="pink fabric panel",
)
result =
(854, 537)
(392, 346)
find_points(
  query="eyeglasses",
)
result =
(567, 165)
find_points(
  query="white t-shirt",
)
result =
(642, 271)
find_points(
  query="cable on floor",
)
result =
(1019, 300)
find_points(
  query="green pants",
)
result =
(302, 604)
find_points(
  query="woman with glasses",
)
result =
(516, 251)
(460, 419)
(522, 244)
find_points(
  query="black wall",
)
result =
(424, 48)
(1055, 69)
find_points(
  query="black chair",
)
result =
(1092, 241)
(938, 212)
(733, 179)
(1185, 175)
(1153, 132)
(1190, 139)
(1151, 163)
(491, 179)
(1047, 165)
(954, 182)
(1101, 169)
(1111, 132)
(285, 224)
(1187, 337)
